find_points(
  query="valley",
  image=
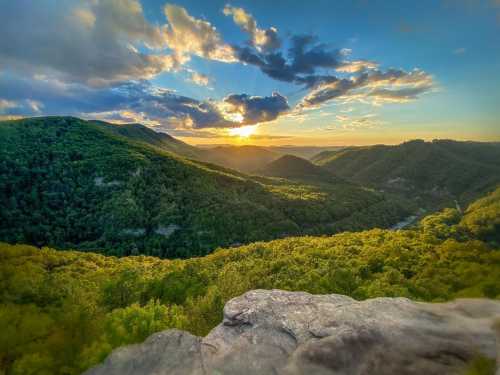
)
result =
(70, 183)
(91, 208)
(250, 187)
(69, 309)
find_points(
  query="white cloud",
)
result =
(374, 86)
(352, 123)
(8, 104)
(187, 35)
(81, 41)
(199, 79)
(356, 66)
(265, 40)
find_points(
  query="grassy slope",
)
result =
(69, 183)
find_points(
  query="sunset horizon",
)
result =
(220, 72)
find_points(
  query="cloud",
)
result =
(307, 54)
(304, 57)
(376, 86)
(352, 123)
(255, 109)
(82, 41)
(199, 79)
(135, 101)
(326, 92)
(356, 66)
(187, 36)
(95, 57)
(397, 95)
(309, 63)
(22, 107)
(7, 104)
(263, 40)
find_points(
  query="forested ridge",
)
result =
(247, 159)
(89, 185)
(295, 168)
(441, 170)
(63, 311)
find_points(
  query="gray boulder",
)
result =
(278, 332)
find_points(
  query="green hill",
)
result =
(247, 159)
(305, 152)
(62, 312)
(252, 159)
(327, 155)
(89, 185)
(141, 133)
(295, 168)
(448, 170)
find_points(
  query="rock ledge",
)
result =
(278, 332)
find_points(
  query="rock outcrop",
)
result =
(278, 332)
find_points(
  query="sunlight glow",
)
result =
(244, 131)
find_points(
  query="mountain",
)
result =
(246, 159)
(327, 155)
(295, 168)
(141, 133)
(252, 159)
(89, 185)
(62, 312)
(305, 152)
(446, 169)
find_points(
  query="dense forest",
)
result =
(136, 196)
(63, 311)
(89, 185)
(438, 171)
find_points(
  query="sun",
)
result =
(243, 131)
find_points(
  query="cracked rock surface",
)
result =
(278, 332)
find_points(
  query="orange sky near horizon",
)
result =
(342, 139)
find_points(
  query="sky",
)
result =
(317, 72)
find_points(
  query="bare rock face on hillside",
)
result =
(278, 332)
